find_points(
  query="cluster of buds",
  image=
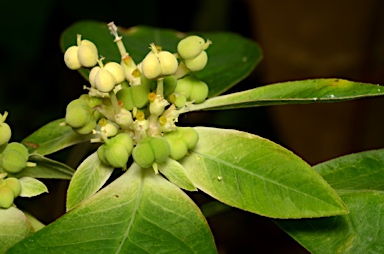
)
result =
(13, 159)
(132, 109)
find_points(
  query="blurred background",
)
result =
(300, 39)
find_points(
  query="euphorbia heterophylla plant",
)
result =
(138, 82)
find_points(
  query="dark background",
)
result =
(300, 39)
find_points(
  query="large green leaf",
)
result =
(140, 212)
(53, 137)
(257, 175)
(46, 168)
(230, 58)
(361, 231)
(14, 227)
(292, 92)
(89, 177)
(356, 172)
(359, 180)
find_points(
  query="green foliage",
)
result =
(333, 207)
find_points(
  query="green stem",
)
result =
(2, 119)
(160, 87)
(114, 102)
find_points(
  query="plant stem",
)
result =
(160, 87)
(114, 102)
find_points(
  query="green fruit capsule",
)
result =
(116, 155)
(104, 81)
(101, 154)
(92, 76)
(184, 86)
(116, 70)
(15, 146)
(190, 47)
(87, 129)
(160, 148)
(170, 83)
(199, 92)
(13, 184)
(13, 161)
(177, 145)
(125, 140)
(190, 136)
(135, 96)
(150, 66)
(70, 58)
(87, 55)
(5, 133)
(6, 197)
(168, 63)
(143, 155)
(198, 63)
(77, 113)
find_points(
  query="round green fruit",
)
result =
(198, 63)
(143, 155)
(160, 148)
(77, 113)
(14, 185)
(13, 161)
(5, 133)
(6, 197)
(190, 47)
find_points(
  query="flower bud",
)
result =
(109, 128)
(124, 118)
(70, 58)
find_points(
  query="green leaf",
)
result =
(361, 231)
(176, 174)
(254, 174)
(53, 137)
(31, 187)
(46, 168)
(14, 227)
(292, 92)
(359, 180)
(89, 177)
(357, 172)
(140, 212)
(231, 57)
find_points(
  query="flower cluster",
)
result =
(133, 108)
